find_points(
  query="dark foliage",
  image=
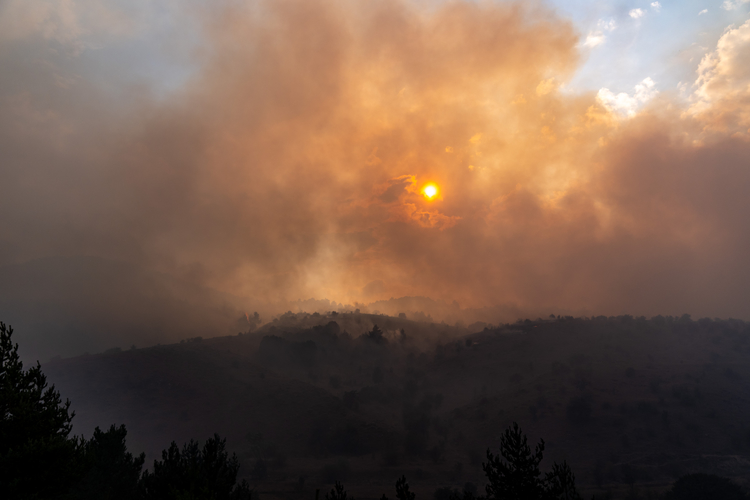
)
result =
(515, 474)
(516, 478)
(376, 336)
(402, 490)
(337, 493)
(195, 473)
(705, 487)
(560, 483)
(344, 439)
(112, 473)
(275, 350)
(465, 495)
(417, 426)
(37, 460)
(330, 330)
(445, 493)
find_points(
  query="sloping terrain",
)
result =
(630, 403)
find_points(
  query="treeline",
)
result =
(515, 474)
(39, 459)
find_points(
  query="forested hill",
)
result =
(631, 403)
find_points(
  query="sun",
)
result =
(430, 191)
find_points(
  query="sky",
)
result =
(166, 167)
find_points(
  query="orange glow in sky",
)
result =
(273, 166)
(430, 191)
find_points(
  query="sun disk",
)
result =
(430, 191)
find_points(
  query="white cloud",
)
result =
(638, 13)
(606, 25)
(656, 6)
(733, 4)
(594, 38)
(704, 11)
(624, 103)
(723, 82)
(727, 67)
(598, 37)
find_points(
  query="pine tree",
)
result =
(560, 483)
(195, 473)
(514, 474)
(402, 490)
(37, 459)
(337, 493)
(112, 473)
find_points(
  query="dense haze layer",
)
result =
(283, 158)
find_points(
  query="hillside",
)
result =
(630, 403)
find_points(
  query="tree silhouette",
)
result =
(37, 460)
(560, 483)
(337, 493)
(376, 335)
(512, 475)
(195, 473)
(402, 490)
(112, 473)
(515, 474)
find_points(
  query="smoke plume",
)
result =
(284, 158)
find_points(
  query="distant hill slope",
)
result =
(628, 402)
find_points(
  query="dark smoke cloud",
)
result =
(289, 165)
